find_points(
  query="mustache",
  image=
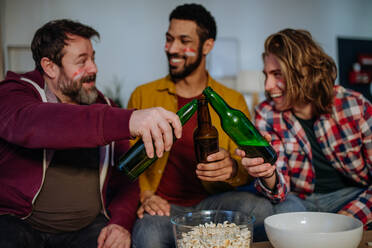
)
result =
(90, 78)
(175, 56)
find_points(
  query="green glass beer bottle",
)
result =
(205, 135)
(135, 161)
(240, 129)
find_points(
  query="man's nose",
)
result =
(173, 47)
(270, 83)
(92, 67)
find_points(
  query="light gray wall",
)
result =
(132, 32)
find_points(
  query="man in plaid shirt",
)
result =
(322, 132)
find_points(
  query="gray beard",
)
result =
(77, 93)
(84, 97)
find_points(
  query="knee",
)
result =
(17, 233)
(252, 202)
(152, 231)
(291, 204)
(143, 227)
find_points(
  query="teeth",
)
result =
(275, 95)
(89, 79)
(176, 60)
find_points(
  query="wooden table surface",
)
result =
(367, 237)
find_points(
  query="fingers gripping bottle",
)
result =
(135, 161)
(240, 129)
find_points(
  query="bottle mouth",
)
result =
(207, 89)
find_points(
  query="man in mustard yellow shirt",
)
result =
(176, 183)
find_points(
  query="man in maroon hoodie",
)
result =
(59, 138)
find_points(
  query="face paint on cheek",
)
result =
(78, 74)
(166, 48)
(189, 52)
(280, 85)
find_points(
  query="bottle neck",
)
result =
(216, 101)
(204, 118)
(187, 111)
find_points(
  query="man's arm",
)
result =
(361, 207)
(282, 186)
(28, 122)
(125, 200)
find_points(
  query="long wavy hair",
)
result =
(309, 72)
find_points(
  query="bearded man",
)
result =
(59, 140)
(177, 183)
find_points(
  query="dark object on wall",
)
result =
(349, 51)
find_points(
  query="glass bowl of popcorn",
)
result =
(213, 228)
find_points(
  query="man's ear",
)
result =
(208, 46)
(49, 67)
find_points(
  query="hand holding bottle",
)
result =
(155, 124)
(220, 167)
(240, 129)
(137, 159)
(256, 167)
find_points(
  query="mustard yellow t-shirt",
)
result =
(161, 93)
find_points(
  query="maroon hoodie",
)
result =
(31, 129)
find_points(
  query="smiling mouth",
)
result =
(275, 95)
(89, 79)
(174, 60)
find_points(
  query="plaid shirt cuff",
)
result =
(359, 210)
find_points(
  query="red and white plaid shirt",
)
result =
(345, 137)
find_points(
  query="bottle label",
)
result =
(205, 147)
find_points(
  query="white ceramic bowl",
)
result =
(192, 229)
(313, 230)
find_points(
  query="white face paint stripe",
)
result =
(189, 52)
(77, 75)
(280, 85)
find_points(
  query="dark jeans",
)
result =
(17, 233)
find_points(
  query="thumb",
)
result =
(140, 212)
(267, 137)
(102, 237)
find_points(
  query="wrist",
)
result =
(269, 176)
(270, 181)
(146, 194)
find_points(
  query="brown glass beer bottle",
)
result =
(205, 135)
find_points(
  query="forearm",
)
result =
(35, 124)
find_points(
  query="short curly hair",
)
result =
(202, 17)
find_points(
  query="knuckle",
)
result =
(158, 137)
(166, 128)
